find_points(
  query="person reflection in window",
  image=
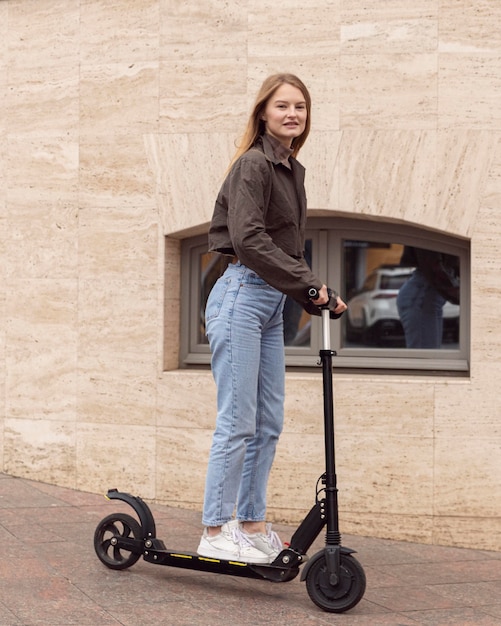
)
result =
(421, 299)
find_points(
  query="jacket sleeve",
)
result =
(248, 196)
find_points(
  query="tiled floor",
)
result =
(50, 575)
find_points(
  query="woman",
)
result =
(259, 221)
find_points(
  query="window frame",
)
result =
(328, 234)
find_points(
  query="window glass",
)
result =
(400, 296)
(383, 271)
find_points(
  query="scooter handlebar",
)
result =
(331, 305)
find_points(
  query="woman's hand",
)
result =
(341, 306)
(323, 298)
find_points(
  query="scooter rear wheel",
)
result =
(111, 527)
(345, 593)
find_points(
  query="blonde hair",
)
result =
(256, 126)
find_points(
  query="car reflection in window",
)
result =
(372, 318)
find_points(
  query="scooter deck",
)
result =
(192, 561)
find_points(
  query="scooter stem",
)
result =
(333, 536)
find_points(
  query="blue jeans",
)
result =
(244, 324)
(420, 307)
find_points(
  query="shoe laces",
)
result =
(240, 538)
(270, 536)
(274, 539)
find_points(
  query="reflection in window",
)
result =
(400, 297)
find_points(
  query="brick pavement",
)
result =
(50, 575)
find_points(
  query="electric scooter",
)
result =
(335, 580)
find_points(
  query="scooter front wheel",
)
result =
(112, 528)
(343, 594)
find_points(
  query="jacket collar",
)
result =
(273, 150)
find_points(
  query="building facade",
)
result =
(118, 121)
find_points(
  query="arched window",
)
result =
(368, 262)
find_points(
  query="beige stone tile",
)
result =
(41, 241)
(185, 178)
(119, 315)
(301, 416)
(400, 527)
(40, 449)
(111, 457)
(44, 102)
(3, 373)
(389, 27)
(465, 476)
(115, 33)
(431, 179)
(475, 400)
(393, 91)
(127, 94)
(3, 168)
(182, 455)
(40, 349)
(367, 407)
(203, 96)
(476, 532)
(469, 87)
(43, 33)
(172, 267)
(213, 29)
(320, 156)
(485, 333)
(116, 390)
(492, 192)
(114, 241)
(171, 304)
(467, 26)
(464, 158)
(377, 474)
(389, 174)
(388, 474)
(187, 399)
(485, 327)
(4, 42)
(114, 172)
(42, 171)
(171, 333)
(3, 127)
(305, 30)
(171, 343)
(299, 462)
(118, 351)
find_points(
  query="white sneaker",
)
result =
(268, 543)
(231, 545)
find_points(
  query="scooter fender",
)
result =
(140, 507)
(319, 555)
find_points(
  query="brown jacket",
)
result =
(260, 216)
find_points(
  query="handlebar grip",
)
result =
(313, 294)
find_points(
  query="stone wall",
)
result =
(118, 121)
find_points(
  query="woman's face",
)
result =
(285, 114)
